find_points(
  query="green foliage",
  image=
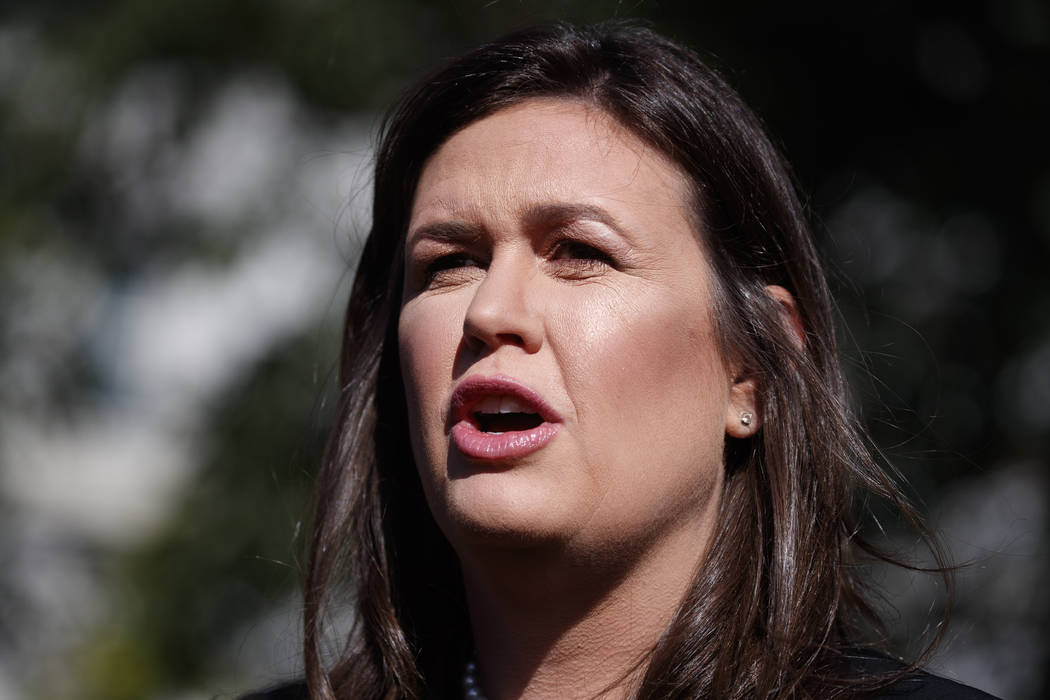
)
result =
(234, 546)
(918, 129)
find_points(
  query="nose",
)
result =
(503, 309)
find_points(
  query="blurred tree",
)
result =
(138, 141)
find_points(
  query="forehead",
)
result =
(544, 150)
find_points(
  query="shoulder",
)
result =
(919, 685)
(926, 686)
(289, 691)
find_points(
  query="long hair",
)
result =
(775, 608)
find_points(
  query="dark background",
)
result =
(183, 187)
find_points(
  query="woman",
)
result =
(593, 438)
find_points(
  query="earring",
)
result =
(745, 418)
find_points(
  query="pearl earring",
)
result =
(745, 418)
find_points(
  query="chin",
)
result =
(485, 509)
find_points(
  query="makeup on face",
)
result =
(557, 347)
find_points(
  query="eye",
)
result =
(578, 250)
(577, 259)
(450, 268)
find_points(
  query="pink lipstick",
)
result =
(498, 418)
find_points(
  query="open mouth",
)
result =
(498, 419)
(507, 422)
(504, 414)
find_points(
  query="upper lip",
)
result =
(472, 390)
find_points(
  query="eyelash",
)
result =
(447, 263)
(581, 252)
(579, 257)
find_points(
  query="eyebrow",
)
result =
(540, 216)
(559, 213)
(455, 231)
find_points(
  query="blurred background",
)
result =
(184, 185)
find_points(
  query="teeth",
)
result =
(509, 404)
(490, 404)
(501, 404)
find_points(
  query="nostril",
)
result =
(482, 335)
(501, 314)
(511, 339)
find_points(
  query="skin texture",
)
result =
(549, 245)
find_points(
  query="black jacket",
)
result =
(921, 686)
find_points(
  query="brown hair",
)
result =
(776, 606)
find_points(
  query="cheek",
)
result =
(633, 340)
(427, 340)
(644, 372)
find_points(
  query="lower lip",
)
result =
(513, 444)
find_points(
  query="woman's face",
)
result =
(557, 342)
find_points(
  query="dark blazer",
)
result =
(917, 686)
(926, 686)
(921, 686)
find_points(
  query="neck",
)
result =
(550, 625)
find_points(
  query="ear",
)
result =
(789, 315)
(742, 417)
